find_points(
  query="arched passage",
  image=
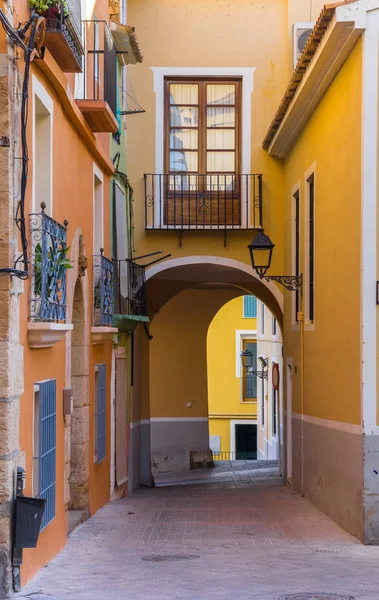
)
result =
(170, 401)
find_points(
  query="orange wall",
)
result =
(72, 200)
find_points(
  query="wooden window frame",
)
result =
(202, 128)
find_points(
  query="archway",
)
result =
(170, 408)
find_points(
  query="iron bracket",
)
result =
(292, 283)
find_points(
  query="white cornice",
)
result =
(345, 29)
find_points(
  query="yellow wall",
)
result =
(215, 35)
(332, 141)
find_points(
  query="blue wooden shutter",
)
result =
(101, 412)
(251, 380)
(249, 307)
(47, 448)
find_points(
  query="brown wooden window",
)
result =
(202, 151)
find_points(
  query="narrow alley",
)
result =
(238, 533)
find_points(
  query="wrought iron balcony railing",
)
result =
(130, 289)
(96, 93)
(48, 263)
(102, 290)
(194, 201)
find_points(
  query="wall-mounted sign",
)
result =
(275, 376)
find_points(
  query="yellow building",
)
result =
(232, 393)
(208, 172)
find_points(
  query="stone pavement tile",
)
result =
(249, 543)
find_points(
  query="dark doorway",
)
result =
(246, 442)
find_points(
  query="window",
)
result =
(296, 241)
(311, 258)
(273, 330)
(44, 446)
(274, 410)
(98, 237)
(262, 402)
(100, 412)
(42, 148)
(202, 151)
(249, 307)
(250, 380)
(262, 319)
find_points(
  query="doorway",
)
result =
(246, 442)
(289, 419)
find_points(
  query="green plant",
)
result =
(55, 263)
(40, 6)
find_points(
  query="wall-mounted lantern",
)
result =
(247, 364)
(261, 249)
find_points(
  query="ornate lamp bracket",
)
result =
(293, 283)
(260, 374)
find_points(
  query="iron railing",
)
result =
(69, 25)
(245, 455)
(99, 81)
(130, 289)
(48, 263)
(212, 201)
(102, 290)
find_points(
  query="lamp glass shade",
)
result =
(247, 358)
(261, 249)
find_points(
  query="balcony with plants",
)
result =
(130, 300)
(63, 37)
(48, 264)
(103, 287)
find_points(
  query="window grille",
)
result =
(262, 318)
(250, 380)
(249, 307)
(100, 412)
(46, 459)
(263, 401)
(274, 410)
(273, 326)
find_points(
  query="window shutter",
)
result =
(47, 448)
(249, 307)
(121, 421)
(101, 412)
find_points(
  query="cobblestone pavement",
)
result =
(226, 538)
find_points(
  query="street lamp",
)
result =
(247, 363)
(261, 249)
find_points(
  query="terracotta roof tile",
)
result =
(302, 65)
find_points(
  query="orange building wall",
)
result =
(72, 200)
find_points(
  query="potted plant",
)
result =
(57, 262)
(49, 8)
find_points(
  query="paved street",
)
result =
(238, 534)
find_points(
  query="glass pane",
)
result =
(183, 116)
(220, 161)
(184, 138)
(221, 117)
(221, 93)
(187, 183)
(183, 161)
(220, 139)
(221, 183)
(183, 93)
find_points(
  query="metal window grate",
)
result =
(121, 421)
(249, 307)
(250, 380)
(47, 448)
(100, 413)
(274, 410)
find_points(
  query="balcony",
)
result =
(130, 305)
(212, 201)
(63, 37)
(102, 321)
(47, 270)
(97, 90)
